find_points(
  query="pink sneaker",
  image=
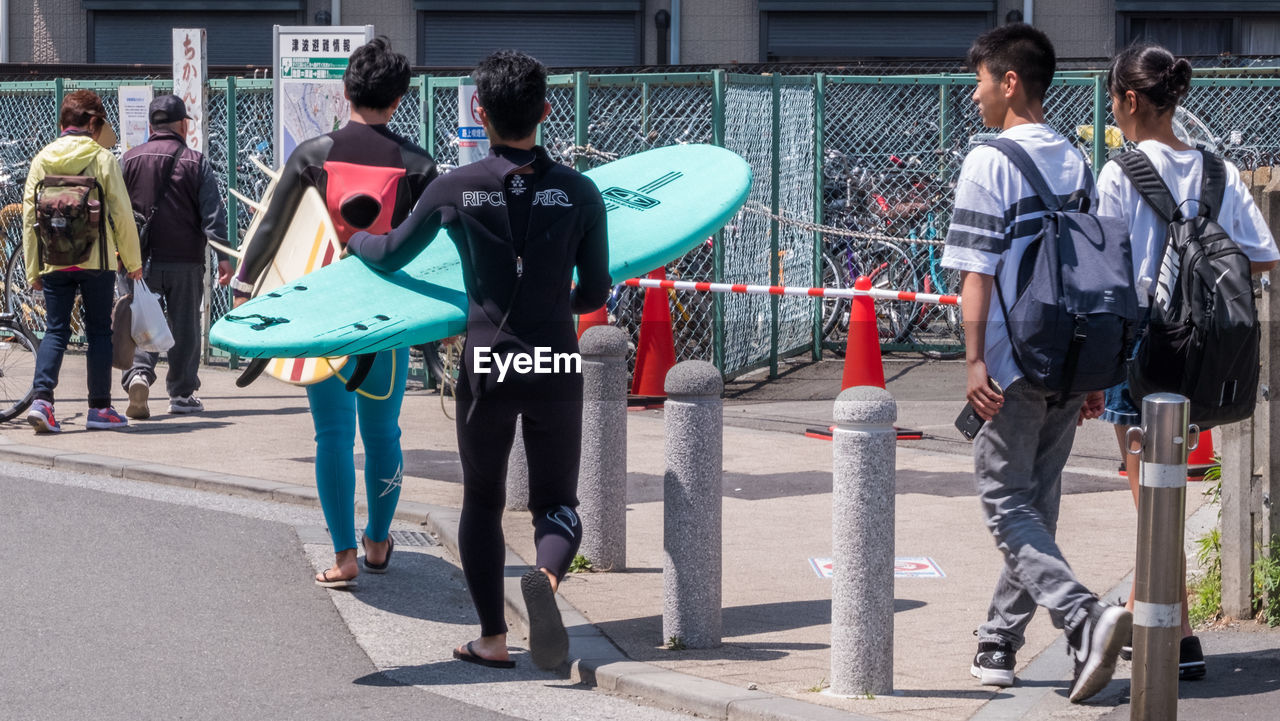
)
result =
(105, 419)
(40, 416)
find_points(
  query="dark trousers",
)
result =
(181, 290)
(97, 291)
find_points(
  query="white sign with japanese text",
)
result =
(190, 72)
(473, 143)
(135, 102)
(309, 64)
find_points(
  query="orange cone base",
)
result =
(592, 319)
(656, 351)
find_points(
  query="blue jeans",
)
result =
(97, 292)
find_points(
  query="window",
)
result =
(1239, 27)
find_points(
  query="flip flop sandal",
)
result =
(548, 641)
(378, 567)
(335, 583)
(472, 657)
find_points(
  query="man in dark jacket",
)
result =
(174, 186)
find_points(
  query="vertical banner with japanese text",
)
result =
(190, 73)
(309, 63)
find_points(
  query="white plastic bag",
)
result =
(150, 329)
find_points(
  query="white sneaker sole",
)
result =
(992, 676)
(1105, 643)
(138, 395)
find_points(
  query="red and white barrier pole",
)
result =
(876, 293)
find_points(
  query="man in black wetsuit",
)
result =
(522, 223)
(370, 179)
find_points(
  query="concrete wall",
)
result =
(394, 18)
(1078, 29)
(720, 31)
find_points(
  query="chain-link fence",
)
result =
(854, 176)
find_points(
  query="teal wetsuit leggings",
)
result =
(334, 411)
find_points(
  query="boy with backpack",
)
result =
(76, 221)
(1002, 197)
(1197, 238)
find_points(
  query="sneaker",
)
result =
(139, 391)
(105, 419)
(185, 404)
(40, 416)
(1190, 660)
(1094, 645)
(993, 664)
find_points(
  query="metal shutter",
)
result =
(557, 39)
(796, 35)
(235, 38)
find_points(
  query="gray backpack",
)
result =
(1072, 320)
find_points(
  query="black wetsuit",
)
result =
(518, 288)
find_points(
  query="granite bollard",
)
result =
(862, 504)
(691, 573)
(602, 477)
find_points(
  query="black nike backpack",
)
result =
(1202, 341)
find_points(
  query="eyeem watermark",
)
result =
(541, 361)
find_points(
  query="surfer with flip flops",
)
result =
(369, 178)
(522, 223)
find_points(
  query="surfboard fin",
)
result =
(255, 205)
(237, 254)
(364, 363)
(273, 174)
(252, 371)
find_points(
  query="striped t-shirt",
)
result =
(997, 215)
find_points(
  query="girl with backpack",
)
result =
(1146, 84)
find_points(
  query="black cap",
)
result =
(167, 109)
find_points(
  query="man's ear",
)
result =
(1010, 83)
(546, 111)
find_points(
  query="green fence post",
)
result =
(774, 228)
(944, 105)
(718, 78)
(581, 117)
(424, 128)
(57, 106)
(233, 182)
(819, 103)
(430, 144)
(1099, 125)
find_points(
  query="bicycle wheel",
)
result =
(835, 311)
(17, 369)
(947, 282)
(25, 304)
(890, 268)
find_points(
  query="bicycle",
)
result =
(17, 367)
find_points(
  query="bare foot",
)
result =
(555, 583)
(344, 567)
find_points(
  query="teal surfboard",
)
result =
(661, 204)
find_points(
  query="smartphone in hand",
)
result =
(969, 422)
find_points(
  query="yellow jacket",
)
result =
(70, 155)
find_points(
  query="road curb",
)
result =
(594, 660)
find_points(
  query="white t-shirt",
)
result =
(1181, 170)
(996, 217)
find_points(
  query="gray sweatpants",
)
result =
(181, 290)
(1018, 460)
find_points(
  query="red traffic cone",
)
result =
(1201, 459)
(656, 351)
(862, 363)
(592, 319)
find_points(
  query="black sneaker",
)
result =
(1190, 660)
(1094, 645)
(993, 664)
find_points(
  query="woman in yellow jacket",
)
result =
(81, 149)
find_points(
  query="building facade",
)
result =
(592, 33)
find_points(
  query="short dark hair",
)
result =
(1018, 47)
(79, 108)
(376, 76)
(1152, 72)
(512, 88)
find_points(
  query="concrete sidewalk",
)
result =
(777, 516)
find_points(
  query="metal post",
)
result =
(233, 181)
(1157, 605)
(862, 504)
(1099, 125)
(581, 117)
(692, 506)
(718, 80)
(429, 140)
(602, 476)
(775, 229)
(819, 140)
(424, 127)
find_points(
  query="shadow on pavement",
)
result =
(419, 585)
(453, 672)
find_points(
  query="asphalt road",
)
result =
(122, 600)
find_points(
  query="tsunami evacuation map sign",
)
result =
(912, 567)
